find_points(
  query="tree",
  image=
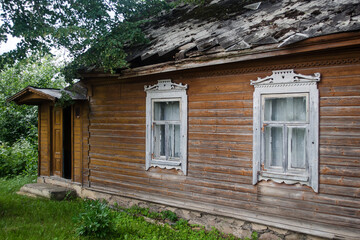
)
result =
(94, 31)
(18, 122)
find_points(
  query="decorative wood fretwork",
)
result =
(264, 68)
(283, 77)
(165, 85)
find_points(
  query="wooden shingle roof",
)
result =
(226, 26)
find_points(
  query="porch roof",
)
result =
(35, 96)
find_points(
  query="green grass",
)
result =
(24, 217)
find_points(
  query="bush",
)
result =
(97, 220)
(19, 158)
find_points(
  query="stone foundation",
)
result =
(238, 228)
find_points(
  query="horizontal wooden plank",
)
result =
(340, 181)
(94, 101)
(117, 126)
(118, 120)
(117, 145)
(220, 169)
(340, 91)
(229, 104)
(222, 161)
(340, 190)
(117, 133)
(222, 88)
(336, 81)
(220, 121)
(247, 129)
(227, 153)
(340, 101)
(117, 114)
(241, 95)
(344, 140)
(340, 161)
(243, 112)
(220, 145)
(340, 171)
(236, 187)
(296, 192)
(310, 206)
(203, 174)
(129, 159)
(126, 140)
(119, 107)
(340, 111)
(220, 137)
(118, 152)
(340, 151)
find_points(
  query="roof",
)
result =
(226, 26)
(34, 96)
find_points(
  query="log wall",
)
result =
(220, 145)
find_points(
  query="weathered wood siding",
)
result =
(76, 142)
(44, 139)
(85, 143)
(219, 176)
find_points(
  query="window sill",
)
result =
(286, 178)
(166, 164)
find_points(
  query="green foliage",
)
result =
(18, 124)
(24, 217)
(21, 121)
(94, 31)
(65, 100)
(167, 214)
(29, 218)
(97, 220)
(20, 158)
(254, 236)
(163, 215)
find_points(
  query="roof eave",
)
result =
(19, 96)
(337, 40)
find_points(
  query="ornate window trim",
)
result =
(287, 82)
(166, 90)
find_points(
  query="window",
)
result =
(166, 125)
(286, 119)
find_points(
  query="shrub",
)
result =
(97, 220)
(19, 158)
(167, 214)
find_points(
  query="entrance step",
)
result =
(47, 190)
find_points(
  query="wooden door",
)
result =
(57, 140)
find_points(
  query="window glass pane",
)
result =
(166, 111)
(297, 154)
(285, 109)
(159, 140)
(174, 140)
(274, 146)
(167, 141)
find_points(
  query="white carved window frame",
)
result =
(165, 90)
(287, 82)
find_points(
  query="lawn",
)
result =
(24, 217)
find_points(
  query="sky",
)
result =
(61, 54)
(9, 45)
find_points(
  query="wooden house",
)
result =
(242, 110)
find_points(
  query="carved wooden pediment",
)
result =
(286, 77)
(165, 85)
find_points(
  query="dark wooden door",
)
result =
(57, 140)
